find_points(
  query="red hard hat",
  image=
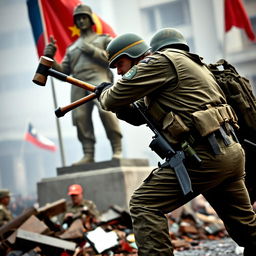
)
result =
(75, 189)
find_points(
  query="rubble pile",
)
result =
(36, 232)
(221, 247)
(194, 222)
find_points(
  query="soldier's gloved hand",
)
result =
(50, 49)
(100, 88)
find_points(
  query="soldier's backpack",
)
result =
(239, 95)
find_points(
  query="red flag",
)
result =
(235, 15)
(39, 140)
(55, 18)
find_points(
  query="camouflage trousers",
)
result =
(220, 179)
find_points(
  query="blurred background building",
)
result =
(22, 164)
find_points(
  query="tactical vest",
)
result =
(196, 86)
(197, 101)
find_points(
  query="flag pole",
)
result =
(62, 155)
(22, 174)
(224, 50)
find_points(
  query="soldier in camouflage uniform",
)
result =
(86, 60)
(5, 213)
(184, 101)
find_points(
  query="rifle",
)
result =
(173, 159)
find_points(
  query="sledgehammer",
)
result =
(45, 68)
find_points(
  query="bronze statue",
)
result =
(86, 60)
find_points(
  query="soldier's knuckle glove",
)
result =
(100, 88)
(50, 50)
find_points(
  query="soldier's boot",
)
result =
(116, 146)
(88, 155)
(87, 158)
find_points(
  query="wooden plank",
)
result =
(27, 238)
(32, 224)
(15, 223)
(52, 209)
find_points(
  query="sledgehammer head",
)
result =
(40, 76)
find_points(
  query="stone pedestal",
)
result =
(105, 183)
(122, 162)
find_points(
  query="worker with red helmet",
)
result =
(79, 206)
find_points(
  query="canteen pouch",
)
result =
(174, 128)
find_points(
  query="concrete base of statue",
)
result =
(105, 183)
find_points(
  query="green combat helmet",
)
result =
(4, 193)
(83, 9)
(128, 44)
(168, 37)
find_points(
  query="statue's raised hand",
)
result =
(51, 48)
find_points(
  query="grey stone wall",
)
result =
(105, 186)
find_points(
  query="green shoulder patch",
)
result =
(130, 74)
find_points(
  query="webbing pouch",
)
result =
(210, 120)
(206, 121)
(174, 128)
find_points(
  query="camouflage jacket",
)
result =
(5, 215)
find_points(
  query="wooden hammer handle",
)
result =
(63, 77)
(81, 84)
(59, 112)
